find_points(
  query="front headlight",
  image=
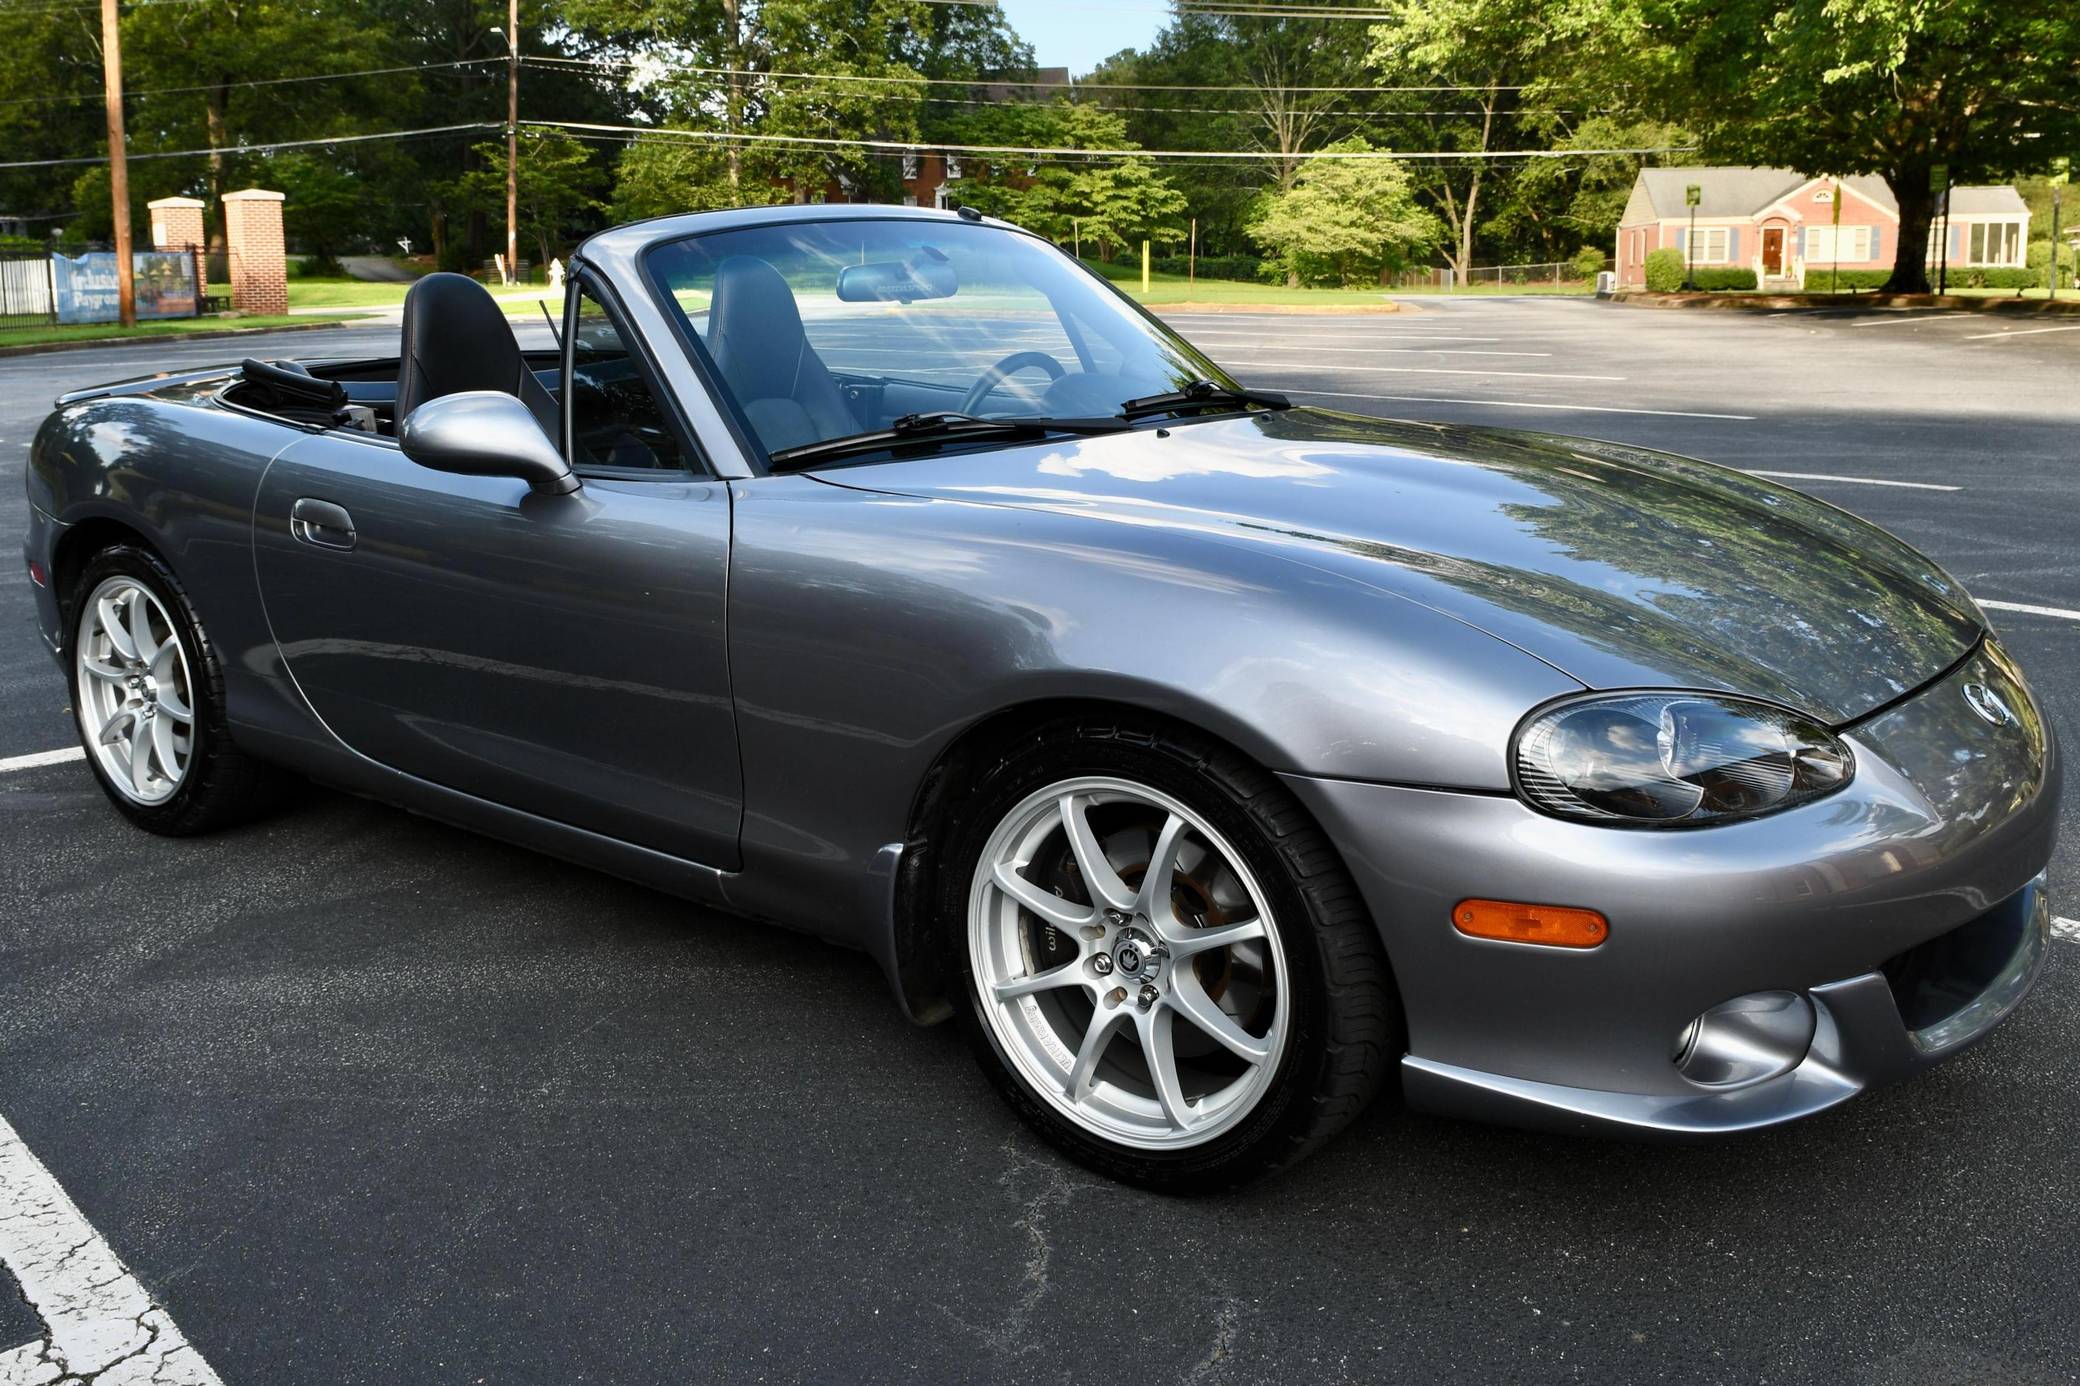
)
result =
(1674, 759)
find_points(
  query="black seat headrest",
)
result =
(456, 339)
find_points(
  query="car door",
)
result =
(563, 655)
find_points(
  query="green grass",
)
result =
(172, 327)
(1175, 288)
(360, 293)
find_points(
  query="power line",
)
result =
(919, 147)
(270, 148)
(1009, 83)
(261, 81)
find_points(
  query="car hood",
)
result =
(1619, 566)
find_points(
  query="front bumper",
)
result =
(1908, 908)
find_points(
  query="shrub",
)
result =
(1665, 270)
(1238, 267)
(2040, 256)
(1820, 279)
(1720, 278)
(1589, 262)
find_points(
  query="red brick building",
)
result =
(1783, 225)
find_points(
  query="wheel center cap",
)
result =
(1137, 956)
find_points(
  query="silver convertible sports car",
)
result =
(884, 574)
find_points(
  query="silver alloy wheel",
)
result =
(1128, 964)
(136, 696)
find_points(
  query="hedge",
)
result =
(1239, 267)
(1968, 277)
(1665, 270)
(1820, 280)
(1721, 279)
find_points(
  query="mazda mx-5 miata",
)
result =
(884, 574)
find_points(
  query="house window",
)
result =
(1827, 244)
(1995, 243)
(953, 167)
(1708, 245)
(909, 165)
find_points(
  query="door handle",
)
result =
(321, 523)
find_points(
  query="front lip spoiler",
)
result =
(1859, 1042)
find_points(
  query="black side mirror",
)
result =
(485, 433)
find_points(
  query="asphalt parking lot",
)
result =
(355, 1097)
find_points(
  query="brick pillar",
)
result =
(253, 237)
(176, 223)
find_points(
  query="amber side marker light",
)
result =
(1555, 926)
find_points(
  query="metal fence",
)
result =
(1552, 272)
(26, 299)
(38, 288)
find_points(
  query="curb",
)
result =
(89, 343)
(1753, 302)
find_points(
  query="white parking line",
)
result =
(1522, 404)
(2026, 609)
(36, 758)
(2026, 332)
(98, 1317)
(1409, 370)
(1910, 318)
(2067, 929)
(1199, 332)
(1857, 480)
(1332, 350)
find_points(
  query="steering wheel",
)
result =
(996, 375)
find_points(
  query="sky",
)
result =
(1080, 34)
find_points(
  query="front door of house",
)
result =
(1772, 251)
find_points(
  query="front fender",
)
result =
(868, 631)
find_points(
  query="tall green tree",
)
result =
(1110, 201)
(1492, 54)
(1345, 221)
(558, 185)
(1986, 88)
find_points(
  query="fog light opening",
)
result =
(1746, 1040)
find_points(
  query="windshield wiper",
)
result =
(1200, 392)
(936, 426)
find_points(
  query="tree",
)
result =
(1344, 220)
(1887, 87)
(558, 179)
(214, 54)
(1547, 205)
(1492, 52)
(1109, 200)
(320, 200)
(659, 175)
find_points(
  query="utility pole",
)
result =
(512, 139)
(118, 162)
(735, 122)
(1939, 182)
(2060, 171)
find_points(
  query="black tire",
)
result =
(223, 785)
(1345, 1030)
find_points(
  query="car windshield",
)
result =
(825, 330)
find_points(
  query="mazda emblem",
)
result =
(1988, 705)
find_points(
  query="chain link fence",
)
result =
(1491, 276)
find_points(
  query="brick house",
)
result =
(1783, 225)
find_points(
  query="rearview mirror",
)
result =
(485, 433)
(926, 274)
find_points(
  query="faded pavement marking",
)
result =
(99, 1324)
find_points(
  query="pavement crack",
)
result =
(1056, 1188)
